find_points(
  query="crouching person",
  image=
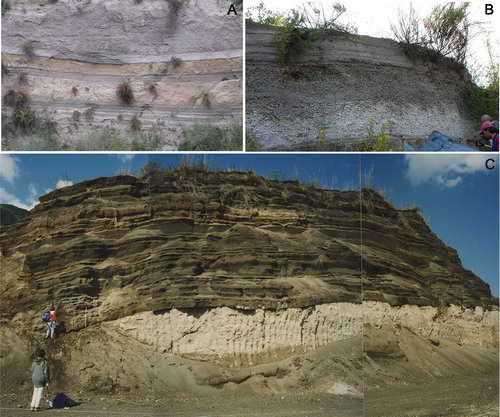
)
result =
(40, 375)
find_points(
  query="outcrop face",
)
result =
(339, 84)
(404, 262)
(224, 282)
(75, 54)
(120, 246)
(194, 239)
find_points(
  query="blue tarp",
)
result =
(437, 142)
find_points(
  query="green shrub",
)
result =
(261, 14)
(484, 100)
(149, 140)
(176, 62)
(445, 32)
(373, 142)
(135, 123)
(5, 6)
(299, 28)
(206, 137)
(25, 119)
(205, 99)
(111, 139)
(125, 93)
(252, 142)
(321, 142)
(74, 91)
(293, 38)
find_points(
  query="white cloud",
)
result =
(63, 183)
(7, 198)
(444, 170)
(32, 190)
(125, 157)
(9, 168)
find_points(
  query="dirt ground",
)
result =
(304, 405)
(452, 398)
(475, 396)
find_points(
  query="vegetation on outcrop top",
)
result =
(444, 37)
(445, 32)
(297, 29)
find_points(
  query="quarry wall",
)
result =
(74, 54)
(342, 81)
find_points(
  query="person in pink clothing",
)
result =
(490, 131)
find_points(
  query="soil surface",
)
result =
(474, 396)
(312, 405)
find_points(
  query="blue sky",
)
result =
(458, 195)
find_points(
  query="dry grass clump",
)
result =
(205, 99)
(17, 99)
(176, 62)
(125, 93)
(135, 123)
(152, 88)
(29, 49)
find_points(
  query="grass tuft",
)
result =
(176, 62)
(17, 99)
(206, 137)
(135, 123)
(29, 49)
(125, 93)
(205, 99)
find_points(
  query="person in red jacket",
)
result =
(51, 324)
